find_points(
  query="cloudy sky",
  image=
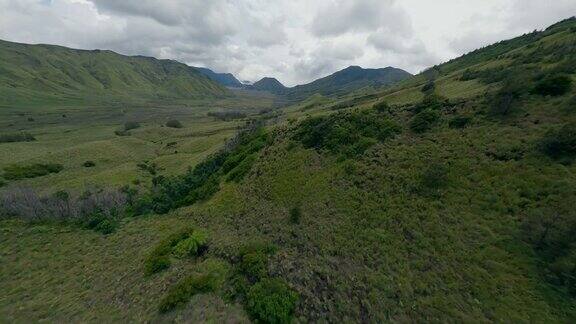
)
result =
(294, 40)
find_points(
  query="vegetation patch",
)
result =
(17, 137)
(89, 164)
(227, 115)
(271, 301)
(185, 243)
(560, 142)
(424, 121)
(346, 133)
(555, 85)
(174, 124)
(213, 274)
(18, 172)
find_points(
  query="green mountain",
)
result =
(347, 80)
(271, 85)
(225, 79)
(46, 74)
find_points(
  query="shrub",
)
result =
(129, 125)
(560, 142)
(2, 183)
(254, 260)
(431, 102)
(271, 301)
(101, 223)
(191, 246)
(434, 177)
(424, 121)
(382, 107)
(459, 122)
(89, 164)
(186, 242)
(555, 85)
(212, 277)
(429, 87)
(19, 137)
(239, 172)
(17, 172)
(346, 133)
(295, 215)
(121, 133)
(174, 124)
(227, 115)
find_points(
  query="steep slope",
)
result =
(347, 80)
(44, 74)
(225, 79)
(271, 85)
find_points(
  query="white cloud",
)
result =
(295, 41)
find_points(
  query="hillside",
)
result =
(444, 198)
(348, 80)
(271, 85)
(46, 75)
(225, 79)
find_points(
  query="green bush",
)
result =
(239, 172)
(555, 85)
(295, 215)
(19, 137)
(271, 301)
(186, 242)
(560, 142)
(18, 172)
(101, 223)
(429, 87)
(431, 102)
(213, 275)
(174, 124)
(459, 122)
(382, 107)
(89, 164)
(424, 121)
(191, 246)
(346, 133)
(2, 183)
(129, 125)
(434, 177)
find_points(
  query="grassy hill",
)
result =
(445, 198)
(44, 75)
(347, 80)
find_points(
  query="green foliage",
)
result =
(191, 246)
(271, 301)
(295, 215)
(555, 85)
(18, 172)
(560, 142)
(429, 87)
(174, 124)
(254, 260)
(424, 121)
(89, 164)
(459, 122)
(507, 98)
(186, 242)
(550, 227)
(431, 102)
(382, 107)
(130, 125)
(212, 277)
(2, 183)
(347, 133)
(102, 223)
(434, 177)
(121, 132)
(18, 137)
(200, 183)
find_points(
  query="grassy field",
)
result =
(73, 135)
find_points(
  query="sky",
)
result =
(296, 41)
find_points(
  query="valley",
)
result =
(440, 197)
